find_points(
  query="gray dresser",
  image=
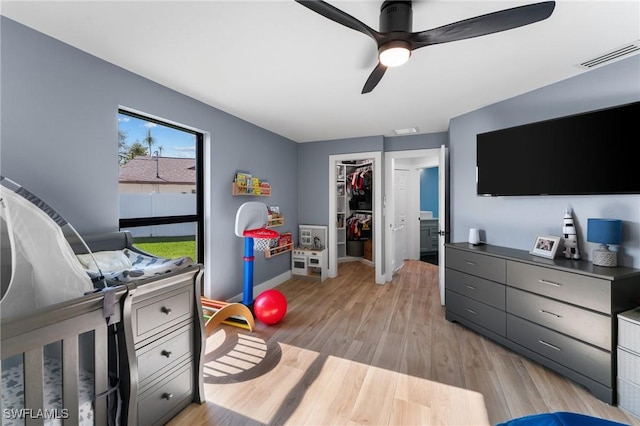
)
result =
(163, 347)
(560, 313)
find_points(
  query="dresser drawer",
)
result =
(579, 323)
(482, 290)
(156, 403)
(484, 315)
(171, 349)
(580, 357)
(581, 290)
(480, 265)
(159, 313)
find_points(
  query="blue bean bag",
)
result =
(559, 419)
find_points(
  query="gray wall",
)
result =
(313, 162)
(59, 132)
(313, 183)
(516, 221)
(411, 142)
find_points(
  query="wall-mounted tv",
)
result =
(590, 153)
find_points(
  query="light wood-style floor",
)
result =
(353, 352)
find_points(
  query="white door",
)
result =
(442, 216)
(400, 216)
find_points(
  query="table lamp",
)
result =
(604, 231)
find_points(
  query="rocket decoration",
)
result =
(570, 237)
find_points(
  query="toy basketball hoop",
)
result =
(251, 223)
(263, 238)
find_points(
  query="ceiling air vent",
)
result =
(619, 53)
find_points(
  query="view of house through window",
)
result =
(160, 186)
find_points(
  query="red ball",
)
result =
(270, 306)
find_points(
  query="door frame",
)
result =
(378, 218)
(390, 158)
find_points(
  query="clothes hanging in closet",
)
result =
(358, 226)
(359, 180)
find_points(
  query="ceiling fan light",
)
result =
(394, 53)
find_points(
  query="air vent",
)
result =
(619, 53)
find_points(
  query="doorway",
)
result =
(428, 190)
(404, 229)
(337, 217)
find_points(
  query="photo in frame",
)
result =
(545, 246)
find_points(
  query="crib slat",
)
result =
(1, 374)
(70, 379)
(33, 385)
(101, 373)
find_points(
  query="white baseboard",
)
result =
(273, 282)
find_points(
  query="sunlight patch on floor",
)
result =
(306, 387)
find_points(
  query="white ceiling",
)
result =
(282, 67)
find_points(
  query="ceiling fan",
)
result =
(396, 40)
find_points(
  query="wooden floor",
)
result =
(353, 352)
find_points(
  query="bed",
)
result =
(68, 345)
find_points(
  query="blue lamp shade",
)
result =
(604, 231)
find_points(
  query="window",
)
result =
(160, 186)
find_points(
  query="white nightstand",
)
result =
(629, 361)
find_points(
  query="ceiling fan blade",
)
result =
(374, 78)
(337, 15)
(482, 25)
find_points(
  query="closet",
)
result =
(354, 210)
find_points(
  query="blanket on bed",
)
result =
(123, 266)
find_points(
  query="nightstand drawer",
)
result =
(158, 313)
(629, 396)
(579, 323)
(484, 315)
(629, 366)
(482, 290)
(480, 265)
(580, 357)
(577, 289)
(173, 348)
(629, 330)
(161, 400)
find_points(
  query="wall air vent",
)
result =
(614, 55)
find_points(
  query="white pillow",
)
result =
(108, 261)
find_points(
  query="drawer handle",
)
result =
(472, 311)
(166, 353)
(468, 262)
(549, 345)
(165, 310)
(470, 287)
(542, 311)
(549, 283)
(167, 396)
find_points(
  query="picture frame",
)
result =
(545, 246)
(274, 211)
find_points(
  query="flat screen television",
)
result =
(590, 153)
